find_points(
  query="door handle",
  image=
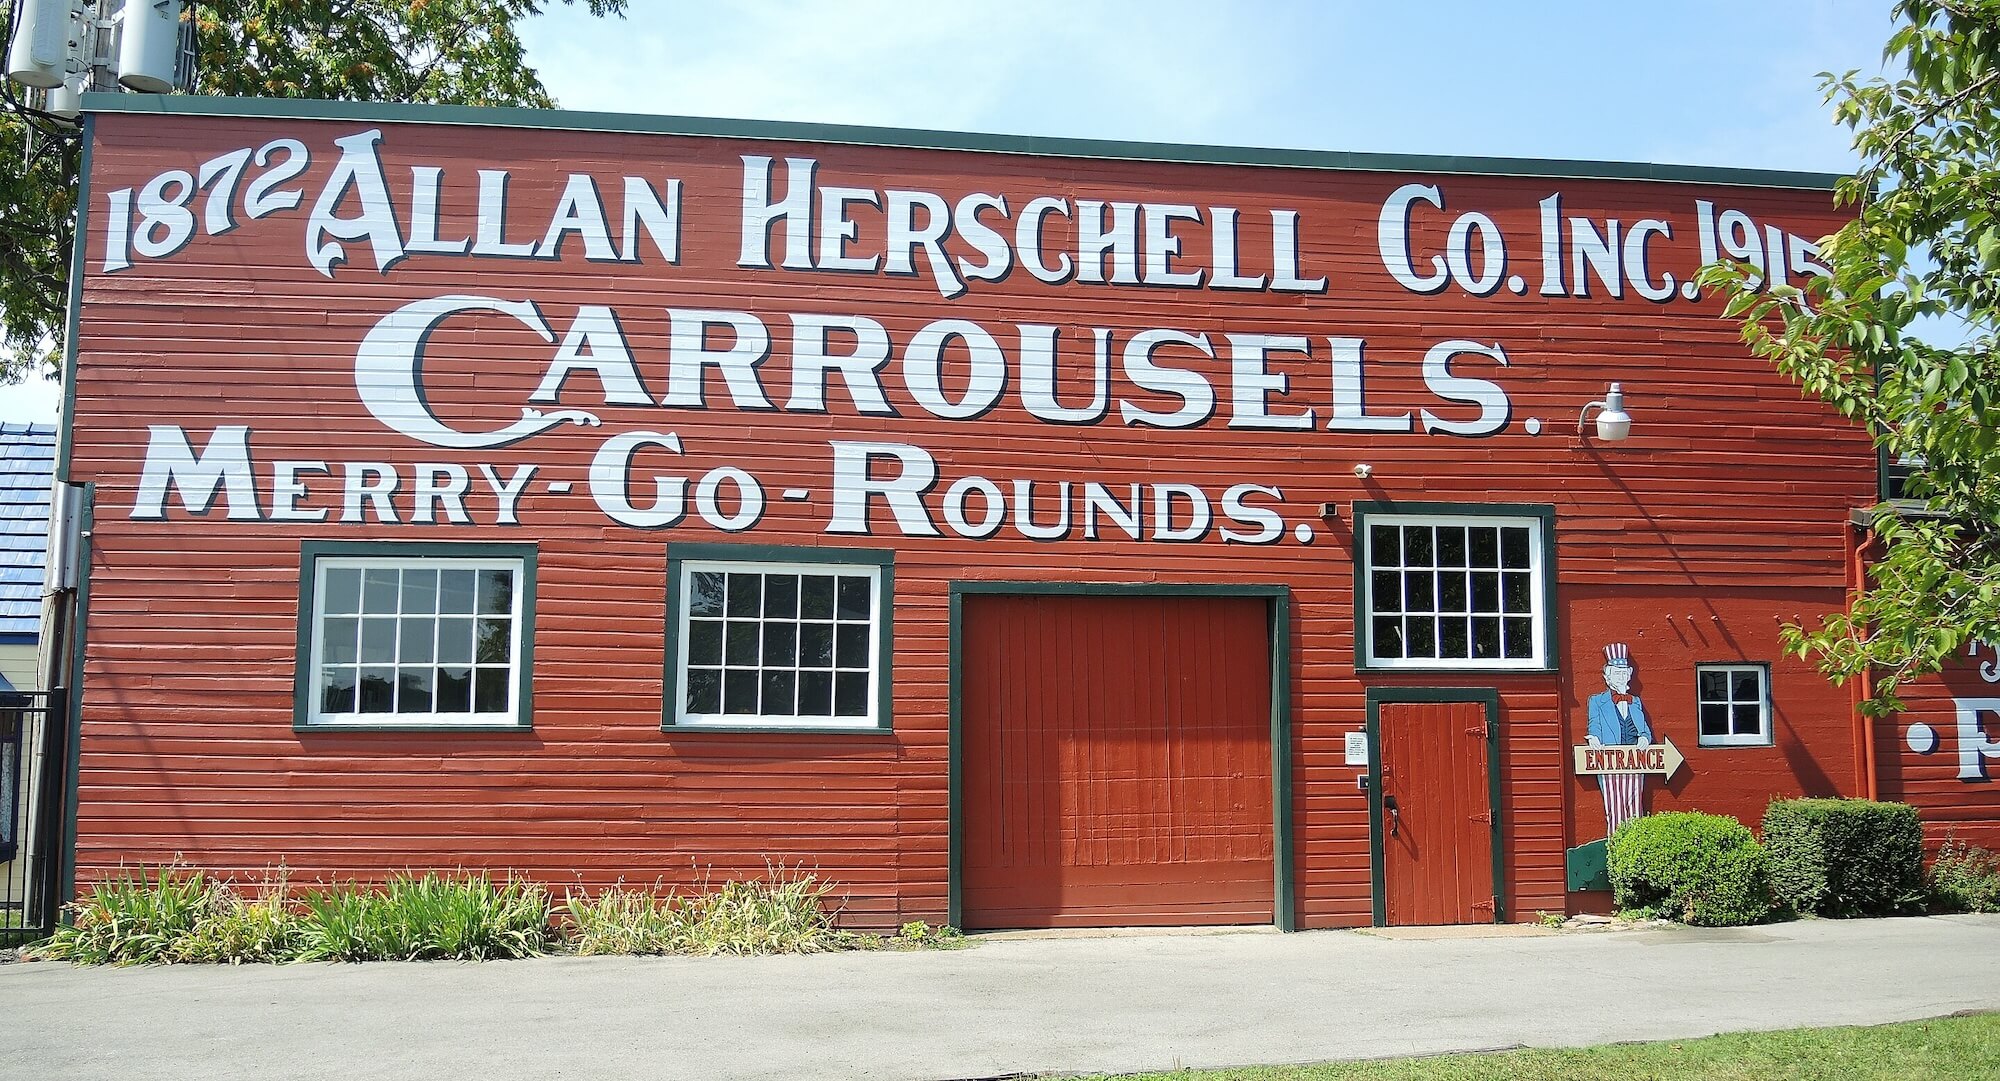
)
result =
(1395, 814)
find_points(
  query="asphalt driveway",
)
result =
(1003, 1007)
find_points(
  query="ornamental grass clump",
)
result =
(784, 913)
(1690, 867)
(135, 919)
(428, 917)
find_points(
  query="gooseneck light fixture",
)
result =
(1613, 422)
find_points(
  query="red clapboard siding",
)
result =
(1955, 790)
(1116, 761)
(1724, 512)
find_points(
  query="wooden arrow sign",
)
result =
(1662, 759)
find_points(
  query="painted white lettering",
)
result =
(1269, 525)
(923, 369)
(1974, 746)
(359, 170)
(954, 507)
(1197, 397)
(425, 183)
(491, 233)
(1024, 512)
(858, 369)
(388, 373)
(660, 218)
(984, 239)
(688, 354)
(1094, 239)
(836, 229)
(854, 485)
(1098, 500)
(1028, 240)
(224, 463)
(595, 343)
(1350, 407)
(438, 485)
(905, 236)
(1251, 383)
(1494, 408)
(1223, 247)
(372, 484)
(287, 489)
(610, 489)
(1162, 246)
(579, 211)
(760, 212)
(1199, 515)
(1285, 273)
(1038, 376)
(1392, 239)
(749, 499)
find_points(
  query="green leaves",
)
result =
(1900, 338)
(463, 52)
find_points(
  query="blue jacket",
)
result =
(1606, 725)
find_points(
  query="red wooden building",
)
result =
(1019, 532)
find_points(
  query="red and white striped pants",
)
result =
(1622, 795)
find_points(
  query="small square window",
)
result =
(416, 636)
(1733, 705)
(778, 644)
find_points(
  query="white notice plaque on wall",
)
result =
(1357, 748)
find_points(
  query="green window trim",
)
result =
(1544, 514)
(304, 678)
(882, 561)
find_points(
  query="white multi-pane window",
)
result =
(1733, 704)
(416, 641)
(1453, 592)
(778, 644)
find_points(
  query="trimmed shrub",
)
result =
(1964, 878)
(1845, 857)
(1701, 869)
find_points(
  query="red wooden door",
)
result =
(1437, 843)
(1115, 761)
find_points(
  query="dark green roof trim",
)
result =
(854, 134)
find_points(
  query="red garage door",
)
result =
(1115, 761)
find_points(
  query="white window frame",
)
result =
(679, 717)
(1364, 603)
(511, 717)
(1764, 737)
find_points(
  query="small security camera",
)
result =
(1364, 471)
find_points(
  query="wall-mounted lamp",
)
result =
(1364, 471)
(1613, 422)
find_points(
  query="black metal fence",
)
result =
(34, 766)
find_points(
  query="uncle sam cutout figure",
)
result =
(1618, 719)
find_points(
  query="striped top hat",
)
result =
(1616, 656)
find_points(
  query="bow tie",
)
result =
(1620, 699)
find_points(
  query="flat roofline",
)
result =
(859, 135)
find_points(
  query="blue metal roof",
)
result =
(27, 468)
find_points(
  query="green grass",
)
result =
(1953, 1048)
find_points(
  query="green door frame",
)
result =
(1490, 698)
(1280, 597)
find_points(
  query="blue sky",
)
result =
(1697, 83)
